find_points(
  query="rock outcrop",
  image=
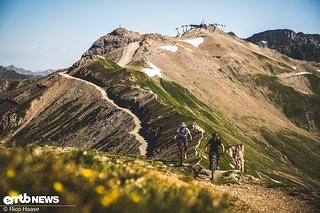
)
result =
(237, 155)
(295, 45)
(120, 37)
(9, 120)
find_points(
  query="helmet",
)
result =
(183, 124)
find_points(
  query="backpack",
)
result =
(183, 136)
(215, 143)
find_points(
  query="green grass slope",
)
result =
(265, 160)
(295, 105)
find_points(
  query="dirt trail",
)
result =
(264, 199)
(258, 197)
(135, 131)
(128, 53)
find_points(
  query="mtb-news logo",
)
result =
(23, 200)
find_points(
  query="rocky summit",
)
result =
(120, 37)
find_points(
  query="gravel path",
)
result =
(263, 199)
(137, 122)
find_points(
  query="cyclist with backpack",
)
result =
(215, 143)
(184, 136)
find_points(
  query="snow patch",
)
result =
(318, 70)
(192, 51)
(302, 73)
(153, 71)
(170, 48)
(294, 67)
(195, 42)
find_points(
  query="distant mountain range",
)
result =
(29, 72)
(13, 77)
(295, 45)
(10, 79)
(12, 74)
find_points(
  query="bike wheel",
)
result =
(181, 156)
(213, 167)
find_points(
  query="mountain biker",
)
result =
(215, 143)
(184, 136)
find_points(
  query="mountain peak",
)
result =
(121, 31)
(118, 38)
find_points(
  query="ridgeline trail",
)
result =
(137, 122)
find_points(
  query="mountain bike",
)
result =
(213, 163)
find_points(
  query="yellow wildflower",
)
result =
(10, 173)
(13, 193)
(58, 186)
(135, 197)
(99, 189)
(86, 173)
(189, 193)
(110, 197)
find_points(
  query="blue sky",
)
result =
(43, 34)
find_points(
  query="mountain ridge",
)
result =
(296, 45)
(10, 79)
(11, 74)
(29, 72)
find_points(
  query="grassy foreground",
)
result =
(96, 182)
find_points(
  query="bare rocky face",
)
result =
(296, 45)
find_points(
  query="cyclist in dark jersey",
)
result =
(214, 148)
